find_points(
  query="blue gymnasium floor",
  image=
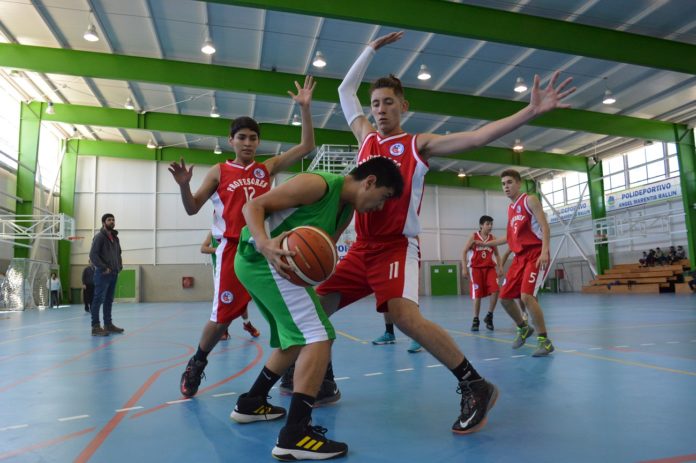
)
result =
(621, 387)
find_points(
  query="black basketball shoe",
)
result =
(251, 409)
(478, 397)
(191, 378)
(305, 442)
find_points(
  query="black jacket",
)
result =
(106, 253)
(88, 276)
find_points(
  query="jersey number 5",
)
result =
(532, 277)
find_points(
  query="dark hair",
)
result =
(244, 122)
(485, 218)
(387, 172)
(106, 216)
(511, 173)
(391, 81)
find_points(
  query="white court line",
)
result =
(569, 350)
(373, 374)
(434, 366)
(172, 402)
(492, 358)
(595, 348)
(128, 409)
(621, 347)
(76, 417)
(517, 356)
(16, 426)
(342, 378)
(406, 369)
(224, 394)
(672, 342)
(648, 344)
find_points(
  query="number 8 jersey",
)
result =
(238, 184)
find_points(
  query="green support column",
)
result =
(598, 209)
(29, 131)
(66, 205)
(686, 154)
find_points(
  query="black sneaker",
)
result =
(191, 378)
(251, 409)
(475, 324)
(328, 393)
(305, 442)
(478, 397)
(489, 321)
(286, 384)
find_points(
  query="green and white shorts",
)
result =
(295, 316)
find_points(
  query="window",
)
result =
(615, 175)
(575, 184)
(48, 163)
(9, 129)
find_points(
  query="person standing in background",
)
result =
(88, 286)
(106, 256)
(55, 290)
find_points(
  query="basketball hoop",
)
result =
(74, 238)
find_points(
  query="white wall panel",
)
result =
(181, 255)
(125, 175)
(84, 211)
(171, 213)
(85, 180)
(166, 183)
(131, 211)
(460, 208)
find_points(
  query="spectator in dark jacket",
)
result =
(105, 254)
(88, 286)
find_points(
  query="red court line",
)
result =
(84, 354)
(679, 459)
(43, 444)
(259, 354)
(102, 435)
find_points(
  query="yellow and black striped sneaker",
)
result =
(305, 442)
(251, 409)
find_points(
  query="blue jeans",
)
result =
(104, 287)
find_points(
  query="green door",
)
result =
(125, 285)
(443, 280)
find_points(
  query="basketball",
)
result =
(315, 255)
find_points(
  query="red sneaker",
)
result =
(248, 327)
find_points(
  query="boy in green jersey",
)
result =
(300, 329)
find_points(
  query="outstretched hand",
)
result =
(550, 98)
(386, 40)
(304, 94)
(181, 175)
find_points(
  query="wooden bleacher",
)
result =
(636, 279)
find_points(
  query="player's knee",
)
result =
(527, 298)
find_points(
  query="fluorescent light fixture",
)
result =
(520, 86)
(214, 111)
(217, 149)
(151, 144)
(296, 120)
(129, 104)
(424, 73)
(50, 109)
(608, 97)
(518, 147)
(319, 61)
(461, 173)
(90, 34)
(208, 48)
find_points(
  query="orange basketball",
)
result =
(315, 255)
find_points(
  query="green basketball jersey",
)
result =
(326, 214)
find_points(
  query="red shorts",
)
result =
(523, 276)
(484, 281)
(388, 268)
(231, 298)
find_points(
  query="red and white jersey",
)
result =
(399, 217)
(481, 255)
(523, 230)
(238, 184)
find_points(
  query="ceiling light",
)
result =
(90, 34)
(608, 97)
(214, 111)
(208, 48)
(319, 60)
(50, 109)
(423, 73)
(151, 144)
(520, 86)
(129, 104)
(461, 173)
(518, 147)
(296, 120)
(217, 149)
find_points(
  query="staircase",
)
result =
(635, 279)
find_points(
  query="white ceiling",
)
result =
(258, 39)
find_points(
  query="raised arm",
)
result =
(182, 176)
(348, 90)
(294, 154)
(299, 190)
(542, 101)
(535, 206)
